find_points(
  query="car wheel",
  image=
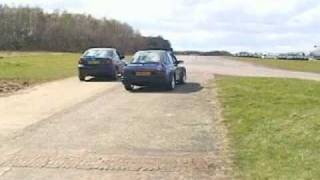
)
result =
(183, 78)
(82, 77)
(129, 87)
(172, 83)
(115, 75)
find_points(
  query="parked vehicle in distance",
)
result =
(152, 68)
(101, 62)
(294, 56)
(297, 56)
(269, 56)
(282, 56)
(244, 54)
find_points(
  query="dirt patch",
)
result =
(7, 87)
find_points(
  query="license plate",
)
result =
(93, 62)
(143, 73)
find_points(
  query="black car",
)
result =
(101, 62)
(154, 67)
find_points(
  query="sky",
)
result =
(233, 25)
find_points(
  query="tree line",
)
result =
(29, 28)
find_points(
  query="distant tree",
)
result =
(157, 42)
(26, 28)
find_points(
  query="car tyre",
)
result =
(183, 78)
(172, 83)
(82, 77)
(115, 75)
(129, 87)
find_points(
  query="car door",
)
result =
(171, 65)
(117, 61)
(178, 71)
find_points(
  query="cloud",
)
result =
(255, 25)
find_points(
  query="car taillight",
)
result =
(81, 61)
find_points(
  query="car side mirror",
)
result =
(179, 62)
(122, 57)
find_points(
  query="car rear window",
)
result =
(147, 57)
(98, 53)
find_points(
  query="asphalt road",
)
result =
(115, 134)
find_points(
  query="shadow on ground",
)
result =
(187, 88)
(100, 79)
(190, 87)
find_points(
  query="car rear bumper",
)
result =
(99, 70)
(144, 81)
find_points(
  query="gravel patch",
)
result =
(7, 87)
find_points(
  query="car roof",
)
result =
(102, 49)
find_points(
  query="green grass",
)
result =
(274, 126)
(26, 53)
(37, 67)
(304, 66)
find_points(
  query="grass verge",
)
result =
(37, 67)
(274, 126)
(304, 66)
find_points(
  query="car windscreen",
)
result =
(146, 57)
(98, 53)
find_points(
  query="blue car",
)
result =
(101, 62)
(154, 68)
